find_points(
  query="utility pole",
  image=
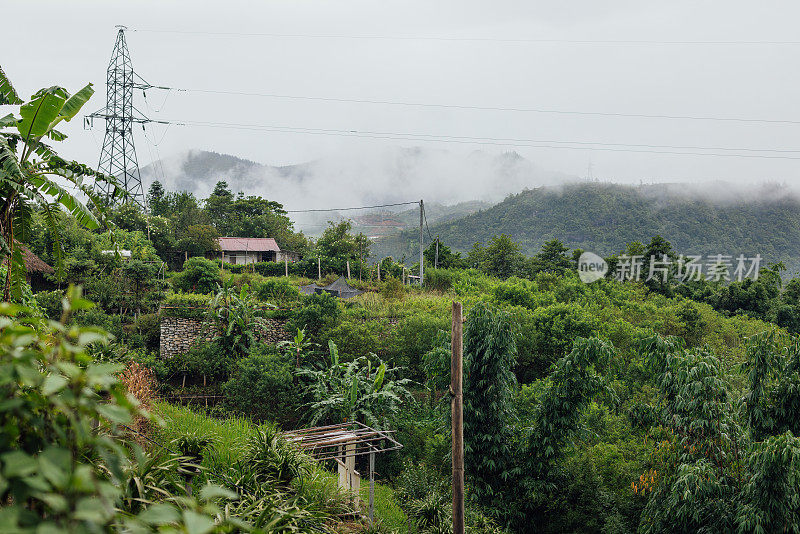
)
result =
(421, 268)
(457, 417)
(436, 261)
(118, 156)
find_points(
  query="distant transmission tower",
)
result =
(118, 156)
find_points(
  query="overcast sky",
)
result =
(69, 43)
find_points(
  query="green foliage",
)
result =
(198, 239)
(188, 305)
(318, 311)
(263, 388)
(270, 456)
(50, 303)
(554, 329)
(278, 291)
(235, 319)
(199, 275)
(489, 353)
(501, 257)
(213, 360)
(551, 259)
(773, 372)
(63, 448)
(573, 383)
(337, 244)
(412, 338)
(447, 259)
(149, 327)
(354, 391)
(438, 279)
(31, 173)
(393, 288)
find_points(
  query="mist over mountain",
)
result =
(714, 218)
(346, 179)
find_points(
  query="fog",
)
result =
(694, 62)
(360, 178)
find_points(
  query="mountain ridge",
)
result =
(604, 218)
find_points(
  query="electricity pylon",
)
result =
(118, 156)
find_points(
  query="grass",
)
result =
(230, 438)
(386, 508)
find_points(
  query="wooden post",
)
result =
(319, 268)
(286, 265)
(348, 269)
(371, 486)
(457, 413)
(379, 271)
(436, 261)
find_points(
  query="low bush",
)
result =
(50, 303)
(262, 387)
(210, 360)
(318, 311)
(438, 279)
(392, 288)
(278, 291)
(199, 276)
(149, 328)
(187, 305)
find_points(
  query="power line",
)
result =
(477, 39)
(514, 142)
(350, 209)
(425, 216)
(488, 108)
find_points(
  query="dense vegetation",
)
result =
(612, 406)
(604, 218)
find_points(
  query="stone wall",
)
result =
(178, 334)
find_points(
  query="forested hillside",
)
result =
(604, 218)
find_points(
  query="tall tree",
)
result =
(490, 352)
(157, 202)
(551, 259)
(501, 257)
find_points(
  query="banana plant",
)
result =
(33, 175)
(354, 391)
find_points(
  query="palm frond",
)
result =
(8, 95)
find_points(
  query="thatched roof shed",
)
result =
(33, 263)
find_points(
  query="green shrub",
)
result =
(199, 276)
(271, 457)
(149, 327)
(50, 303)
(439, 279)
(278, 291)
(392, 288)
(356, 338)
(212, 360)
(554, 329)
(517, 292)
(412, 338)
(98, 318)
(262, 386)
(318, 311)
(187, 305)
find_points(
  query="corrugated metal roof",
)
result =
(250, 244)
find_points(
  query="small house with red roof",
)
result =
(244, 250)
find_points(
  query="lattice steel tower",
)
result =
(118, 156)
